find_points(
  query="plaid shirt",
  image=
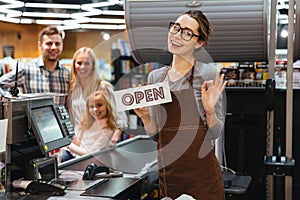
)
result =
(33, 77)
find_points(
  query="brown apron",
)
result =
(181, 170)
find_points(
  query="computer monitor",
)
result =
(50, 124)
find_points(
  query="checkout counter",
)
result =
(135, 158)
(37, 127)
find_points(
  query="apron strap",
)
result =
(165, 74)
(190, 79)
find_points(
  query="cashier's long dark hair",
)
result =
(205, 28)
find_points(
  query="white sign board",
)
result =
(3, 133)
(143, 96)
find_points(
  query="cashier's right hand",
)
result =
(144, 114)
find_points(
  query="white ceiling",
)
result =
(66, 14)
(80, 14)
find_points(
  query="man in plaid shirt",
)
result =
(43, 74)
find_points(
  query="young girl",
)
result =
(96, 127)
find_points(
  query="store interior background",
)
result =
(247, 124)
(24, 39)
(17, 36)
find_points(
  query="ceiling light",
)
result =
(284, 33)
(69, 27)
(105, 36)
(77, 21)
(41, 14)
(113, 12)
(8, 11)
(48, 22)
(103, 26)
(27, 21)
(106, 20)
(96, 5)
(12, 4)
(16, 14)
(86, 14)
(8, 19)
(52, 5)
(101, 4)
(66, 15)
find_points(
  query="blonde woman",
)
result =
(84, 81)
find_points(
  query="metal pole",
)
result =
(271, 74)
(289, 97)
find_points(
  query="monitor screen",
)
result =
(50, 124)
(47, 124)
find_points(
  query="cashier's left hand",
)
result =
(212, 91)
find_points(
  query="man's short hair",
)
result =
(49, 30)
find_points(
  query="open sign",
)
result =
(143, 96)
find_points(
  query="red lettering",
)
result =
(148, 95)
(158, 93)
(138, 96)
(127, 99)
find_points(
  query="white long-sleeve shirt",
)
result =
(93, 139)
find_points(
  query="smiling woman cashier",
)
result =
(185, 127)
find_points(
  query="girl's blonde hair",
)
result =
(87, 119)
(94, 80)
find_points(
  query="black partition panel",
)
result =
(279, 132)
(296, 144)
(245, 136)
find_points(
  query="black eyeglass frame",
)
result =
(171, 24)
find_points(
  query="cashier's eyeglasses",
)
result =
(186, 33)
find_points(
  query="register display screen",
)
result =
(47, 124)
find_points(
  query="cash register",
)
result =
(36, 127)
